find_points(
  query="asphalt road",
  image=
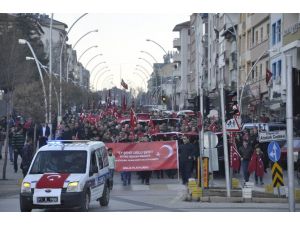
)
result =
(157, 199)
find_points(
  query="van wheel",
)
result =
(25, 208)
(104, 200)
(85, 202)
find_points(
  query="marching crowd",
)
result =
(111, 125)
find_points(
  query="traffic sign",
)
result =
(274, 151)
(232, 125)
(277, 175)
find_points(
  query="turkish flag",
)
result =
(236, 160)
(133, 119)
(124, 85)
(268, 76)
(256, 165)
(52, 180)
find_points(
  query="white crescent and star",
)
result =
(52, 177)
(170, 150)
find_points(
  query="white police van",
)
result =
(67, 174)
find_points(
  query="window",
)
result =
(59, 162)
(278, 30)
(248, 39)
(93, 163)
(260, 71)
(274, 70)
(279, 68)
(273, 33)
(256, 37)
(100, 161)
(268, 30)
(267, 64)
(261, 34)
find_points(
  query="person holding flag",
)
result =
(256, 165)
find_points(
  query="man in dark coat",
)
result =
(27, 155)
(187, 156)
(245, 151)
(18, 140)
(44, 132)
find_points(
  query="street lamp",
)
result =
(94, 46)
(105, 67)
(92, 59)
(97, 66)
(108, 78)
(48, 73)
(60, 68)
(248, 75)
(161, 79)
(23, 42)
(149, 55)
(138, 69)
(143, 79)
(157, 45)
(92, 31)
(100, 76)
(140, 66)
(151, 65)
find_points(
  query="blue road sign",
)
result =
(274, 151)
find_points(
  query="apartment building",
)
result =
(183, 46)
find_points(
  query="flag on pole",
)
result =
(124, 85)
(133, 119)
(124, 106)
(235, 157)
(268, 76)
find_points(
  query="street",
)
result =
(162, 195)
(158, 201)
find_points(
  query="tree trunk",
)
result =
(34, 139)
(6, 142)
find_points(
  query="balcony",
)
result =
(176, 43)
(176, 57)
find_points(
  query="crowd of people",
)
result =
(111, 125)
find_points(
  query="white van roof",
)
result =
(71, 145)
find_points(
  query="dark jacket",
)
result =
(27, 155)
(187, 152)
(246, 153)
(18, 140)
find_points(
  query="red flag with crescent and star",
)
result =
(235, 158)
(52, 180)
(133, 119)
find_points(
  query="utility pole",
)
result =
(289, 130)
(225, 147)
(50, 78)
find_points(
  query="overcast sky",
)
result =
(120, 38)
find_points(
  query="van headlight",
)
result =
(26, 187)
(73, 186)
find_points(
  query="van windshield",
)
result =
(59, 162)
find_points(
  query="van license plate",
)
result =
(47, 199)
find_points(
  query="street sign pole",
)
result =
(225, 147)
(289, 126)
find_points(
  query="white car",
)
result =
(67, 174)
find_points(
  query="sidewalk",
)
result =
(11, 185)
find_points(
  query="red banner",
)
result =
(144, 156)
